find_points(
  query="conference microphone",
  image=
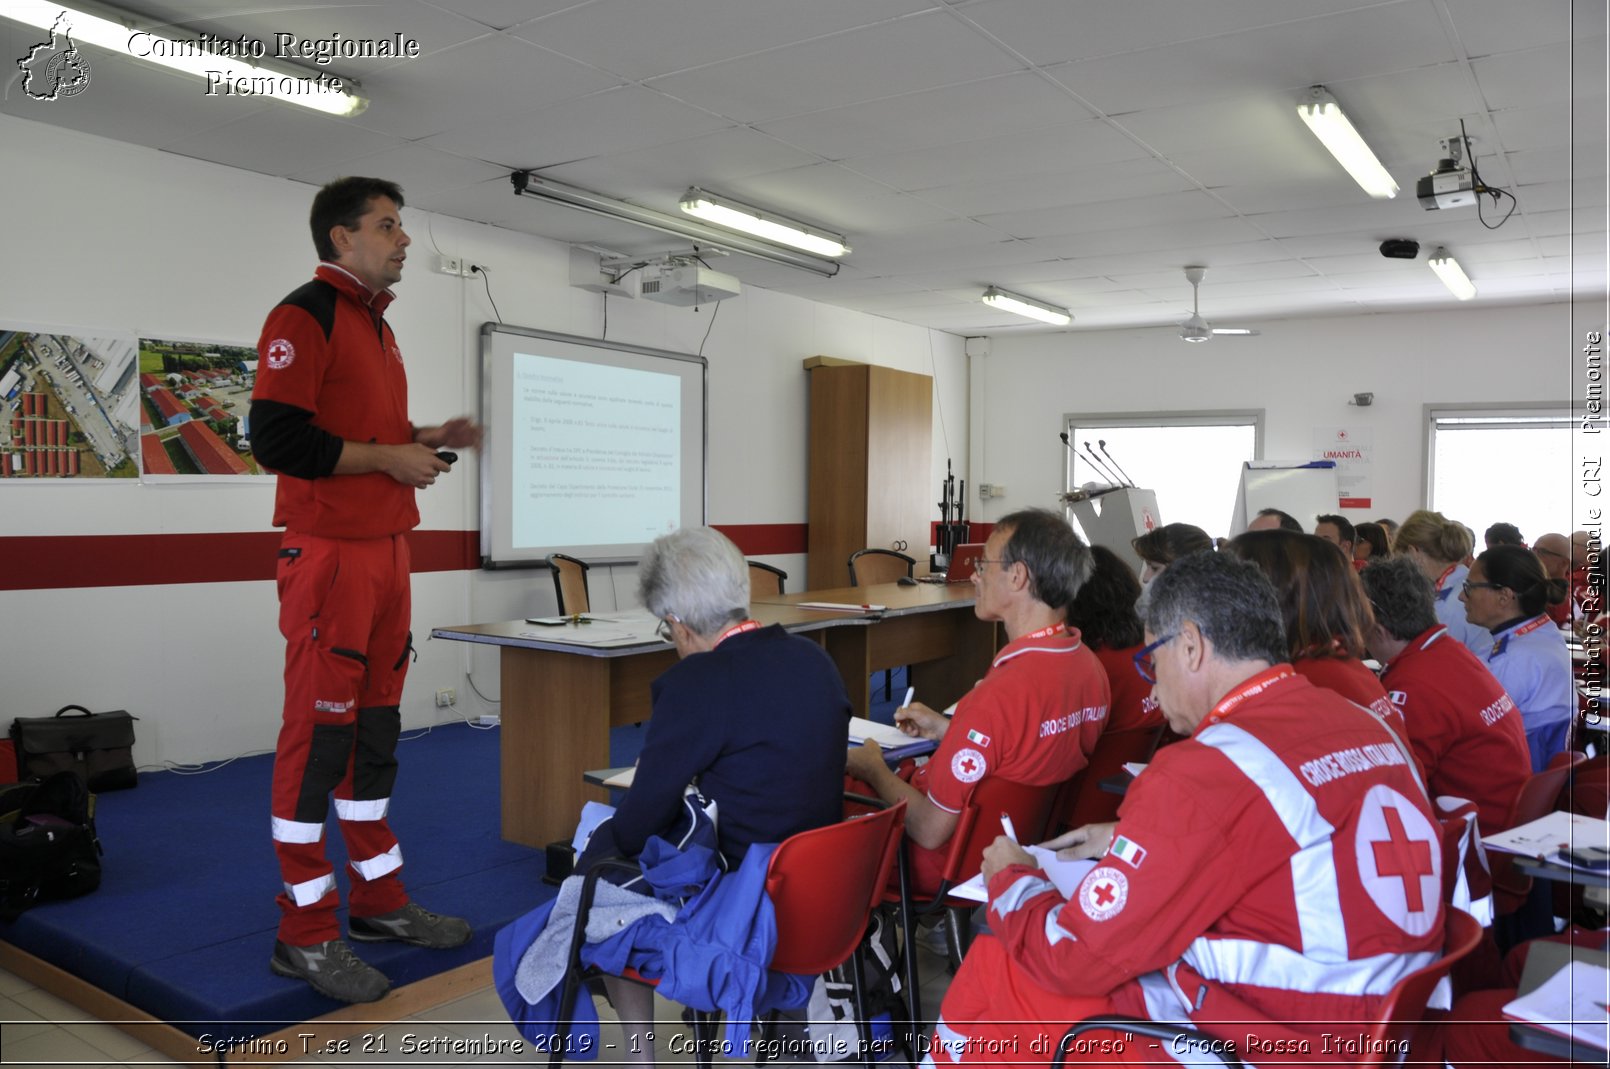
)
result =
(1102, 442)
(1107, 472)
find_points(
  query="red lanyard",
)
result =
(736, 629)
(1252, 687)
(1044, 632)
(1446, 573)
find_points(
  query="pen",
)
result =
(911, 692)
(1006, 826)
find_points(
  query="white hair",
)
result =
(697, 575)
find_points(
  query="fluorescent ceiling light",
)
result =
(996, 297)
(123, 34)
(724, 211)
(1453, 276)
(527, 184)
(1330, 124)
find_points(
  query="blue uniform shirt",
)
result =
(1451, 614)
(1535, 668)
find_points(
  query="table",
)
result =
(560, 700)
(930, 627)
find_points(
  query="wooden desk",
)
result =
(930, 627)
(553, 693)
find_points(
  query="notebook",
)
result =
(964, 562)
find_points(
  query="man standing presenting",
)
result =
(330, 416)
(1033, 719)
(1269, 879)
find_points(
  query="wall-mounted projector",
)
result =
(687, 284)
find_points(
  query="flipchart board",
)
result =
(1116, 518)
(1304, 489)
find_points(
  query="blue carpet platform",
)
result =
(183, 923)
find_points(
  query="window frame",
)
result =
(1432, 411)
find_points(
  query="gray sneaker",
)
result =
(412, 924)
(332, 969)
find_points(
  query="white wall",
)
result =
(104, 237)
(1301, 372)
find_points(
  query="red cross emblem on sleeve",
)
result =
(1403, 857)
(1399, 857)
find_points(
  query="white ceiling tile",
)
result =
(840, 200)
(502, 14)
(1123, 179)
(1488, 26)
(1007, 104)
(712, 160)
(1188, 242)
(920, 52)
(1526, 79)
(1048, 31)
(1524, 129)
(275, 141)
(616, 120)
(1351, 44)
(1190, 205)
(663, 38)
(1054, 149)
(419, 170)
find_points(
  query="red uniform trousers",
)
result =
(344, 612)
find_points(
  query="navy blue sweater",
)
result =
(760, 724)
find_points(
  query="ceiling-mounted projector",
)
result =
(1450, 185)
(687, 284)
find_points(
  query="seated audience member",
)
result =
(1033, 719)
(1268, 880)
(1338, 531)
(1507, 594)
(753, 714)
(1274, 520)
(1162, 546)
(1503, 534)
(1554, 553)
(1103, 612)
(1390, 526)
(1369, 543)
(1437, 546)
(1463, 728)
(1325, 615)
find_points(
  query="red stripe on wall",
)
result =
(757, 539)
(59, 562)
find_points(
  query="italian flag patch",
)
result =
(977, 737)
(1128, 851)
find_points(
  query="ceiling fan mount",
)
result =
(1195, 328)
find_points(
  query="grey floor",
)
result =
(39, 1029)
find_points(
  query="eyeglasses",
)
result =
(664, 630)
(1145, 664)
(1001, 564)
(1469, 586)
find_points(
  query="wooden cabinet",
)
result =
(871, 450)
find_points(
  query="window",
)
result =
(1510, 465)
(1191, 460)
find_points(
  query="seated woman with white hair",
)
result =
(756, 717)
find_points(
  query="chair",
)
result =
(976, 827)
(570, 584)
(871, 566)
(1082, 800)
(1538, 797)
(823, 885)
(765, 579)
(1386, 1039)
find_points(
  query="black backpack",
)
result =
(48, 847)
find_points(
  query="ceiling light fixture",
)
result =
(124, 34)
(724, 211)
(1453, 276)
(527, 184)
(1336, 132)
(1017, 304)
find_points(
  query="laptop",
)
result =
(964, 562)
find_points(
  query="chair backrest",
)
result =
(764, 579)
(870, 566)
(824, 884)
(1406, 1002)
(980, 822)
(1082, 801)
(570, 584)
(1538, 797)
